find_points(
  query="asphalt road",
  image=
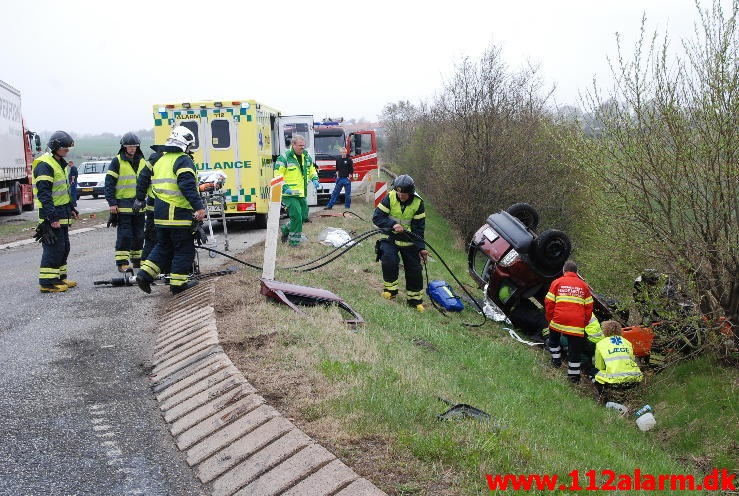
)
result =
(76, 414)
(88, 204)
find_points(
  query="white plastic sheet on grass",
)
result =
(518, 338)
(333, 236)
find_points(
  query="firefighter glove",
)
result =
(138, 206)
(378, 250)
(45, 233)
(113, 220)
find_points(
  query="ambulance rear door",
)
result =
(287, 125)
(222, 148)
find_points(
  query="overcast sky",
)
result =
(100, 66)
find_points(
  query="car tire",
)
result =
(527, 214)
(261, 221)
(552, 249)
(95, 196)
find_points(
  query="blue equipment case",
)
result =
(442, 294)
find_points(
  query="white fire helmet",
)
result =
(182, 138)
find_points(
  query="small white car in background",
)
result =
(91, 180)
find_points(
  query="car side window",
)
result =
(481, 264)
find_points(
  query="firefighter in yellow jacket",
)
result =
(176, 204)
(400, 212)
(56, 209)
(120, 192)
(297, 167)
(614, 358)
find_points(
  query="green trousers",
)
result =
(297, 209)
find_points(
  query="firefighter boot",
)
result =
(124, 268)
(389, 294)
(53, 288)
(68, 283)
(420, 308)
(179, 289)
(143, 283)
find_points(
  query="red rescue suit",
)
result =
(569, 305)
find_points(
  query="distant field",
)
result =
(99, 146)
(102, 147)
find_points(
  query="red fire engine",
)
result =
(329, 138)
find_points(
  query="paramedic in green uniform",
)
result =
(297, 167)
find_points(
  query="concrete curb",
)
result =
(235, 441)
(24, 242)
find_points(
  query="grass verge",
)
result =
(372, 396)
(15, 228)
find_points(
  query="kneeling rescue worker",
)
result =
(174, 182)
(120, 192)
(614, 358)
(402, 211)
(56, 209)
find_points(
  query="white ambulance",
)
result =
(242, 139)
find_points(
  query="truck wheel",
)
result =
(552, 249)
(527, 214)
(261, 221)
(16, 196)
(29, 207)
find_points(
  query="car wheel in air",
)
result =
(527, 214)
(552, 249)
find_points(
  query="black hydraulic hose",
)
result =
(433, 302)
(461, 285)
(362, 237)
(484, 317)
(355, 215)
(369, 234)
(229, 256)
(357, 239)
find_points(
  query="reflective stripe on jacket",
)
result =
(125, 182)
(614, 358)
(569, 305)
(296, 175)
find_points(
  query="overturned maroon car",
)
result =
(516, 266)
